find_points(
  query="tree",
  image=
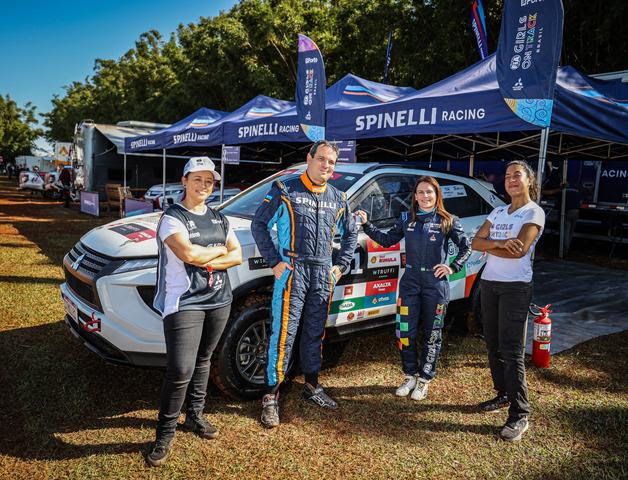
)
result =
(223, 61)
(17, 128)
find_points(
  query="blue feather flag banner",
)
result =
(311, 86)
(478, 23)
(528, 52)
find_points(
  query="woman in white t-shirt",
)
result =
(509, 236)
(196, 246)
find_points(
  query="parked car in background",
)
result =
(174, 194)
(110, 275)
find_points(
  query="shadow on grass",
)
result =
(28, 280)
(52, 385)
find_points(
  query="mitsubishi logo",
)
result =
(518, 85)
(77, 262)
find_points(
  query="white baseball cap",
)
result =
(201, 164)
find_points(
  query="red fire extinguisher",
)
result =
(542, 336)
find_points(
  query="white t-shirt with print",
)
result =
(506, 225)
(177, 281)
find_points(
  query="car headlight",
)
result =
(139, 264)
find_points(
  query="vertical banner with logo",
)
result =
(311, 86)
(528, 52)
(478, 24)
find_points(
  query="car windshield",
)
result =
(246, 204)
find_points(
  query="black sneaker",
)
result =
(158, 452)
(495, 404)
(270, 410)
(199, 425)
(317, 396)
(514, 429)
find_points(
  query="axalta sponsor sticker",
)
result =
(382, 259)
(381, 286)
(373, 246)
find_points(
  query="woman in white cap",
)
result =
(196, 246)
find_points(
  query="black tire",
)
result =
(474, 317)
(332, 353)
(240, 358)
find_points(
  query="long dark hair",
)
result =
(534, 187)
(447, 219)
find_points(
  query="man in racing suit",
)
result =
(308, 213)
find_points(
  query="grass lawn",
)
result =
(66, 414)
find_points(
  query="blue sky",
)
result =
(46, 44)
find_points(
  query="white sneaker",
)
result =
(406, 387)
(420, 391)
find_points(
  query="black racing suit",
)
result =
(307, 217)
(422, 296)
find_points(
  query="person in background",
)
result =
(196, 247)
(424, 288)
(509, 236)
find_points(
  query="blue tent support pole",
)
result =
(542, 155)
(163, 198)
(563, 193)
(124, 183)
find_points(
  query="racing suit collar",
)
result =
(311, 186)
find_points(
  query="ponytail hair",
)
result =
(534, 187)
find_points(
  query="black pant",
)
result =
(504, 318)
(191, 337)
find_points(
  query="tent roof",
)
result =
(201, 118)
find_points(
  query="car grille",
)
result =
(85, 291)
(91, 264)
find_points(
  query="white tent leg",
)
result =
(542, 154)
(124, 184)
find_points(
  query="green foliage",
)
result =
(17, 128)
(223, 61)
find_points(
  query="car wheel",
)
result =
(332, 353)
(240, 358)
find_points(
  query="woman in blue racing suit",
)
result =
(424, 289)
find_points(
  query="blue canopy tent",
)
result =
(470, 102)
(157, 140)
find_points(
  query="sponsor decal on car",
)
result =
(257, 263)
(384, 259)
(381, 286)
(134, 232)
(373, 312)
(403, 259)
(340, 306)
(348, 290)
(382, 273)
(380, 300)
(373, 246)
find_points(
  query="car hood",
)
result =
(136, 236)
